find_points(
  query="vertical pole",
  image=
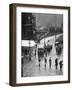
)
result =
(29, 51)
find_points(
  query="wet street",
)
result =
(32, 67)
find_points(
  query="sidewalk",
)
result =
(32, 67)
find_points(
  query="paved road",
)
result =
(32, 67)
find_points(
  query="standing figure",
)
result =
(56, 63)
(61, 65)
(39, 61)
(50, 62)
(35, 52)
(45, 62)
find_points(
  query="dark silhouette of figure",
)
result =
(61, 65)
(35, 52)
(50, 62)
(56, 63)
(39, 61)
(45, 62)
(39, 54)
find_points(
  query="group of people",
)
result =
(43, 54)
(50, 63)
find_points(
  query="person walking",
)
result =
(56, 63)
(50, 62)
(61, 65)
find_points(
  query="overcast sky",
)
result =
(48, 19)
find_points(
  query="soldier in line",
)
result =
(56, 63)
(50, 62)
(61, 65)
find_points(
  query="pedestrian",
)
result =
(35, 52)
(38, 54)
(61, 65)
(50, 62)
(39, 61)
(45, 62)
(56, 63)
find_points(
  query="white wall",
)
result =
(4, 45)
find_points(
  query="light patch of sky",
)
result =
(48, 19)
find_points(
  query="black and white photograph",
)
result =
(41, 44)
